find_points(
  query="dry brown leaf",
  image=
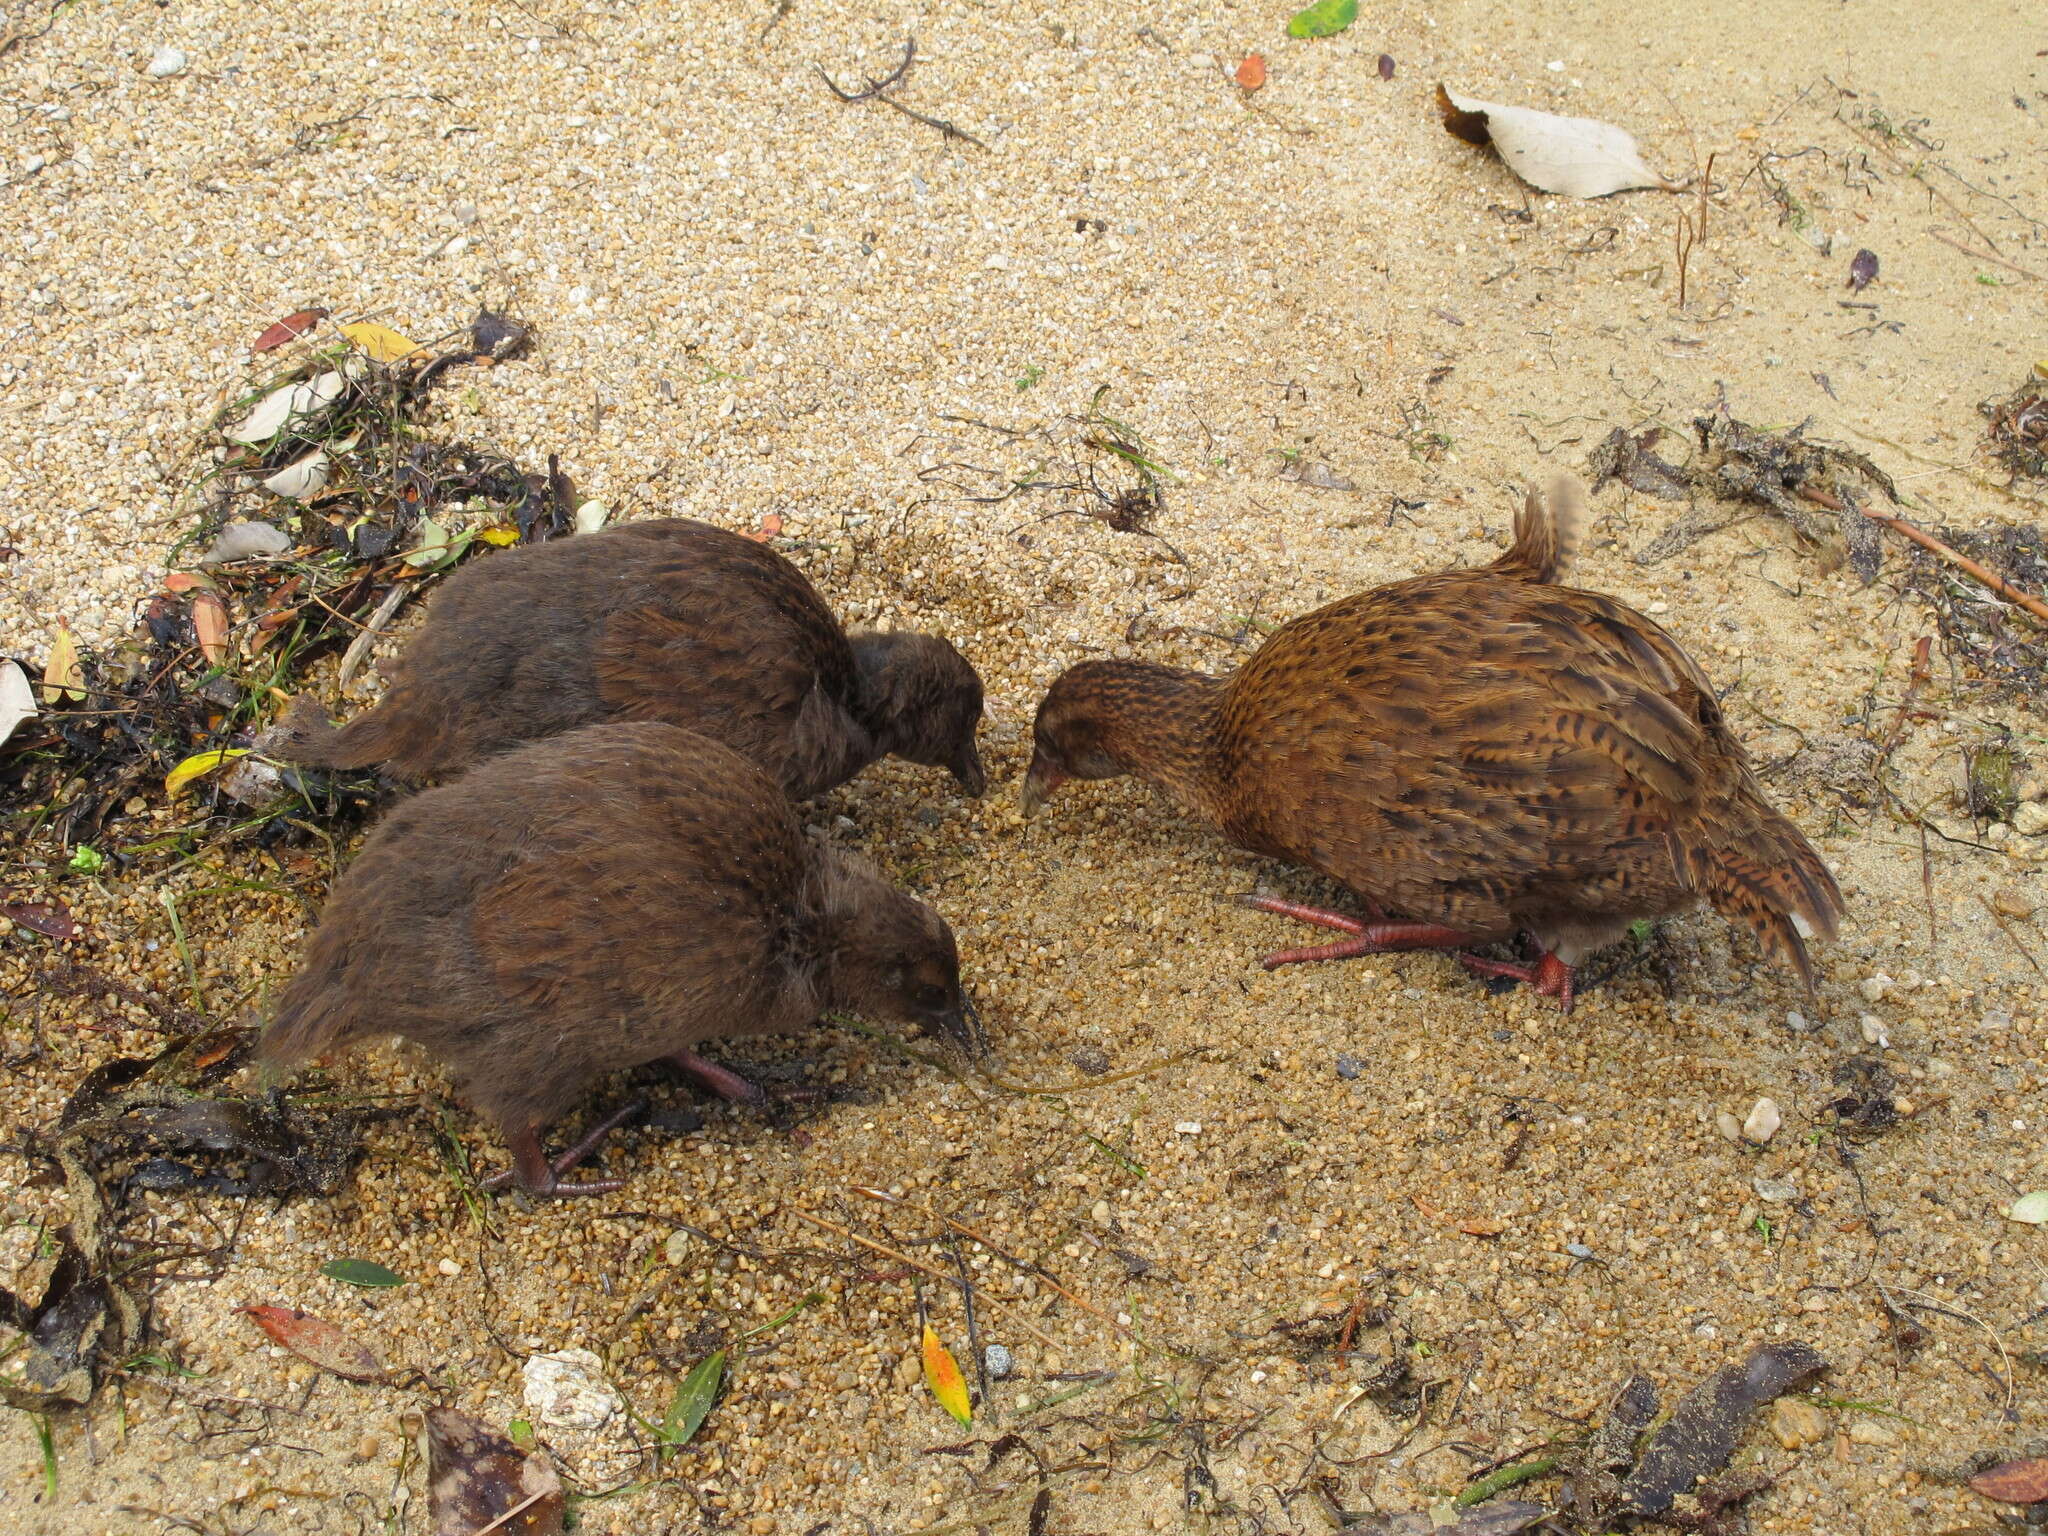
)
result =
(319, 1341)
(2014, 1482)
(1578, 156)
(477, 1480)
(290, 328)
(210, 626)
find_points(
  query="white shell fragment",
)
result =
(166, 61)
(567, 1390)
(590, 516)
(17, 698)
(1763, 1121)
(281, 407)
(2032, 1209)
(1578, 156)
(301, 478)
(245, 540)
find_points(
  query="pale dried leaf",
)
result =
(301, 478)
(283, 407)
(63, 675)
(17, 699)
(1578, 156)
(245, 541)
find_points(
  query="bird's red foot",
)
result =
(1548, 977)
(532, 1171)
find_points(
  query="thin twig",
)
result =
(2010, 266)
(877, 90)
(922, 1268)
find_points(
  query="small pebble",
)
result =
(450, 1267)
(367, 1447)
(1729, 1127)
(1763, 1121)
(166, 61)
(1189, 1127)
(1874, 1032)
(1796, 1422)
(1798, 1022)
(1349, 1066)
(1778, 1191)
(677, 1249)
(1578, 1250)
(1876, 988)
(1873, 1432)
(998, 1361)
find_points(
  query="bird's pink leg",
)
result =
(709, 1074)
(532, 1171)
(1321, 917)
(1548, 977)
(1375, 939)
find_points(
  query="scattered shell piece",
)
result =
(1777, 1191)
(1874, 1032)
(1189, 1127)
(252, 782)
(301, 478)
(567, 1389)
(999, 1362)
(1728, 1125)
(1763, 1121)
(590, 516)
(246, 540)
(2032, 1209)
(166, 61)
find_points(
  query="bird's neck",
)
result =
(1163, 729)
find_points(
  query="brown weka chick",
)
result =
(1481, 752)
(669, 620)
(605, 898)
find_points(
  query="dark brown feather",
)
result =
(596, 901)
(669, 620)
(1477, 748)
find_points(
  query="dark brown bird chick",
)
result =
(669, 620)
(1482, 752)
(605, 898)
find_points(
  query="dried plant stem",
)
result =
(922, 1268)
(1998, 584)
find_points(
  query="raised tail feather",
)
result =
(1766, 874)
(1546, 532)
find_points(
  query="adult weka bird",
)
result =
(611, 897)
(670, 620)
(1481, 752)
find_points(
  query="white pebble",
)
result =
(1189, 1127)
(1875, 988)
(567, 1389)
(1728, 1125)
(450, 1267)
(1763, 1121)
(1874, 1032)
(166, 61)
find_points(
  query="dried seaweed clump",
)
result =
(2018, 434)
(1998, 646)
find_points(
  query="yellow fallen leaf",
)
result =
(63, 677)
(499, 536)
(383, 344)
(198, 765)
(942, 1375)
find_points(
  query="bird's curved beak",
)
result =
(961, 1028)
(1041, 781)
(966, 767)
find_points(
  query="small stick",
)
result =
(359, 648)
(973, 1236)
(938, 1274)
(1998, 584)
(1923, 650)
(1950, 240)
(524, 1504)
